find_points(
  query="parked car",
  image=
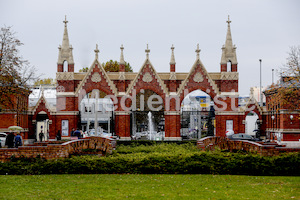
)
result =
(242, 136)
(2, 139)
(229, 132)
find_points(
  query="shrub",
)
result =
(160, 159)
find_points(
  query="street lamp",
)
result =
(261, 103)
(272, 76)
(291, 117)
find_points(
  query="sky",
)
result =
(261, 29)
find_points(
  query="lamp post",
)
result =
(272, 76)
(273, 117)
(261, 102)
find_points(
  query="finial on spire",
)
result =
(172, 62)
(198, 51)
(228, 21)
(147, 52)
(96, 51)
(122, 61)
(65, 20)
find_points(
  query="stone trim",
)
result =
(65, 94)
(172, 113)
(172, 139)
(294, 112)
(122, 112)
(89, 73)
(252, 100)
(229, 113)
(73, 113)
(210, 81)
(157, 77)
(39, 102)
(64, 76)
(125, 138)
(229, 94)
(172, 76)
(229, 76)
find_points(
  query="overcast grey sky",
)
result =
(261, 29)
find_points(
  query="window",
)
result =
(229, 66)
(65, 66)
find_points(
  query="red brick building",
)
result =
(15, 112)
(282, 118)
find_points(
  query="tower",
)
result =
(65, 61)
(229, 75)
(228, 59)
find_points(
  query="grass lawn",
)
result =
(132, 186)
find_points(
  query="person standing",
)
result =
(41, 136)
(58, 136)
(73, 132)
(18, 140)
(10, 140)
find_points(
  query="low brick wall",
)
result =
(223, 143)
(54, 150)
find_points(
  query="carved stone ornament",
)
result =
(96, 77)
(198, 77)
(147, 77)
(60, 88)
(64, 75)
(122, 76)
(172, 76)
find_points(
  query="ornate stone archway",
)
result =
(170, 86)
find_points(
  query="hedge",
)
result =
(173, 162)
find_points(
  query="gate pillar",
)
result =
(172, 126)
(122, 124)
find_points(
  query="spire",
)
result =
(122, 61)
(198, 52)
(228, 42)
(172, 61)
(65, 42)
(96, 52)
(147, 52)
(65, 50)
(228, 50)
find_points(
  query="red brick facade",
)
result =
(221, 86)
(282, 117)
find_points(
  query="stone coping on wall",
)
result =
(223, 143)
(54, 150)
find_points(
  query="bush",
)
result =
(160, 159)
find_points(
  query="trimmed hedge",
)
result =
(160, 159)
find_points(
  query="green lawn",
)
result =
(126, 186)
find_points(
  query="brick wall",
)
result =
(54, 151)
(210, 143)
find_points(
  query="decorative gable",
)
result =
(41, 105)
(198, 78)
(147, 78)
(96, 78)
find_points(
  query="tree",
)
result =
(85, 69)
(16, 74)
(113, 66)
(286, 93)
(292, 66)
(45, 81)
